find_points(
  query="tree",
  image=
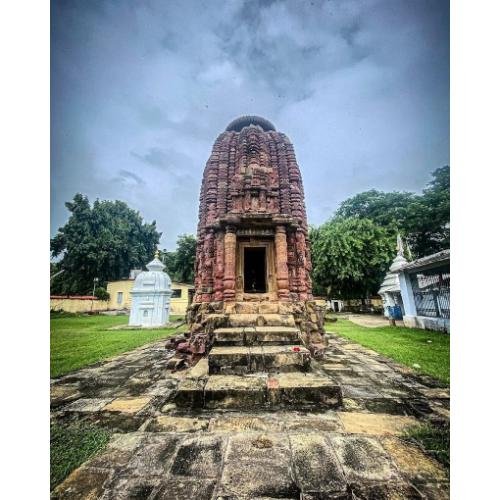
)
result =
(104, 240)
(385, 209)
(428, 220)
(101, 293)
(350, 257)
(423, 220)
(180, 263)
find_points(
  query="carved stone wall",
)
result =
(251, 195)
(251, 180)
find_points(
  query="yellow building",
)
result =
(120, 298)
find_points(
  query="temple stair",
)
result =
(258, 360)
(264, 319)
(258, 335)
(240, 360)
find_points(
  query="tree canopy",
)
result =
(104, 240)
(352, 251)
(423, 220)
(350, 257)
(180, 263)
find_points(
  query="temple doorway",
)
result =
(254, 270)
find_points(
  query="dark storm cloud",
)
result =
(128, 178)
(141, 90)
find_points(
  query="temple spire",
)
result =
(399, 245)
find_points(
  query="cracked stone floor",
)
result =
(159, 451)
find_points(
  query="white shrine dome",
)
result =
(154, 279)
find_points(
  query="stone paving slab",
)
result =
(161, 450)
(254, 464)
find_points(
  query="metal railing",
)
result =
(431, 290)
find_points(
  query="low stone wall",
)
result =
(436, 324)
(78, 304)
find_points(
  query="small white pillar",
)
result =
(410, 316)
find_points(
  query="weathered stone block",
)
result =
(281, 358)
(363, 459)
(190, 393)
(230, 336)
(270, 335)
(153, 456)
(87, 405)
(257, 465)
(185, 488)
(315, 464)
(63, 393)
(84, 482)
(269, 308)
(229, 359)
(412, 462)
(375, 423)
(232, 391)
(392, 491)
(312, 423)
(126, 488)
(296, 388)
(166, 423)
(129, 405)
(230, 423)
(261, 320)
(199, 456)
(246, 308)
(199, 370)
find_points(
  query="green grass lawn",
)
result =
(407, 346)
(79, 340)
(434, 440)
(72, 445)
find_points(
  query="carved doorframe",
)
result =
(271, 293)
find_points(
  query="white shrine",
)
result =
(390, 289)
(151, 296)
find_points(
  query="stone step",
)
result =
(261, 320)
(293, 390)
(240, 360)
(260, 307)
(257, 335)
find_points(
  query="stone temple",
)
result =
(253, 312)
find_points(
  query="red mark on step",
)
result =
(296, 349)
(272, 383)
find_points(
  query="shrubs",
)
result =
(101, 294)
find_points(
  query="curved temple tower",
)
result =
(253, 258)
(253, 315)
(252, 232)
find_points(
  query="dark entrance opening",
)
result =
(254, 270)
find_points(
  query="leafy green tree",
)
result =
(385, 209)
(350, 257)
(101, 293)
(103, 240)
(428, 219)
(423, 220)
(180, 263)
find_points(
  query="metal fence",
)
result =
(431, 289)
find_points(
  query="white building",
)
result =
(425, 290)
(151, 296)
(390, 290)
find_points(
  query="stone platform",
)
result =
(265, 366)
(162, 450)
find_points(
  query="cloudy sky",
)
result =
(141, 89)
